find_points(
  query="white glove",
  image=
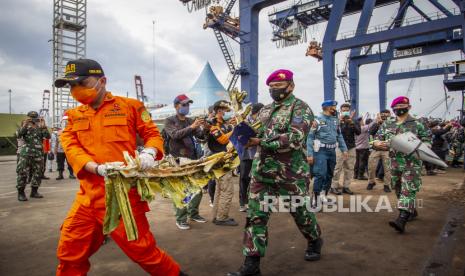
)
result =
(147, 158)
(102, 170)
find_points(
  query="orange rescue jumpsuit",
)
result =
(101, 136)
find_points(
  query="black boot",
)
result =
(60, 175)
(413, 215)
(371, 185)
(399, 223)
(21, 195)
(251, 267)
(387, 189)
(313, 252)
(35, 193)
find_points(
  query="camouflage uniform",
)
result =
(405, 169)
(31, 155)
(279, 169)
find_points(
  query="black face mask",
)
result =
(279, 94)
(400, 111)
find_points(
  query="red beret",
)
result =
(280, 75)
(400, 100)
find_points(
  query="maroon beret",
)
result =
(280, 75)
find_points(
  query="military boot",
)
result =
(413, 215)
(21, 195)
(313, 252)
(35, 193)
(399, 223)
(60, 175)
(251, 267)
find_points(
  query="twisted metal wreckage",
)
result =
(177, 179)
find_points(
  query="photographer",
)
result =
(218, 139)
(379, 154)
(33, 131)
(181, 133)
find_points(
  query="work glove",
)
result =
(147, 158)
(102, 170)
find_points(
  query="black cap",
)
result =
(33, 114)
(79, 70)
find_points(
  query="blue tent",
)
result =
(207, 89)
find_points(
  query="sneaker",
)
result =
(370, 186)
(183, 225)
(325, 200)
(347, 191)
(387, 189)
(198, 218)
(243, 209)
(228, 222)
(211, 204)
(335, 191)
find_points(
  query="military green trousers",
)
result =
(29, 165)
(256, 229)
(406, 180)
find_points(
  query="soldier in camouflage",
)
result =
(405, 169)
(33, 131)
(279, 169)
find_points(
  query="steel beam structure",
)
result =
(417, 73)
(402, 35)
(249, 11)
(69, 43)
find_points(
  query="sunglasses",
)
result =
(185, 104)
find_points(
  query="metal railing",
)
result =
(406, 22)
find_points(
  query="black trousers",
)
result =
(361, 163)
(45, 164)
(61, 157)
(245, 167)
(211, 189)
(380, 170)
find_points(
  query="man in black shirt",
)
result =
(181, 132)
(349, 128)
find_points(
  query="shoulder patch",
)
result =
(145, 116)
(298, 117)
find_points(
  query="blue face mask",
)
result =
(227, 115)
(183, 110)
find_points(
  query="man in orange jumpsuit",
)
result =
(98, 131)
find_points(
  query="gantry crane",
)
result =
(44, 111)
(412, 81)
(140, 89)
(344, 81)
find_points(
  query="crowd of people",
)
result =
(295, 153)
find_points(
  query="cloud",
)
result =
(119, 35)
